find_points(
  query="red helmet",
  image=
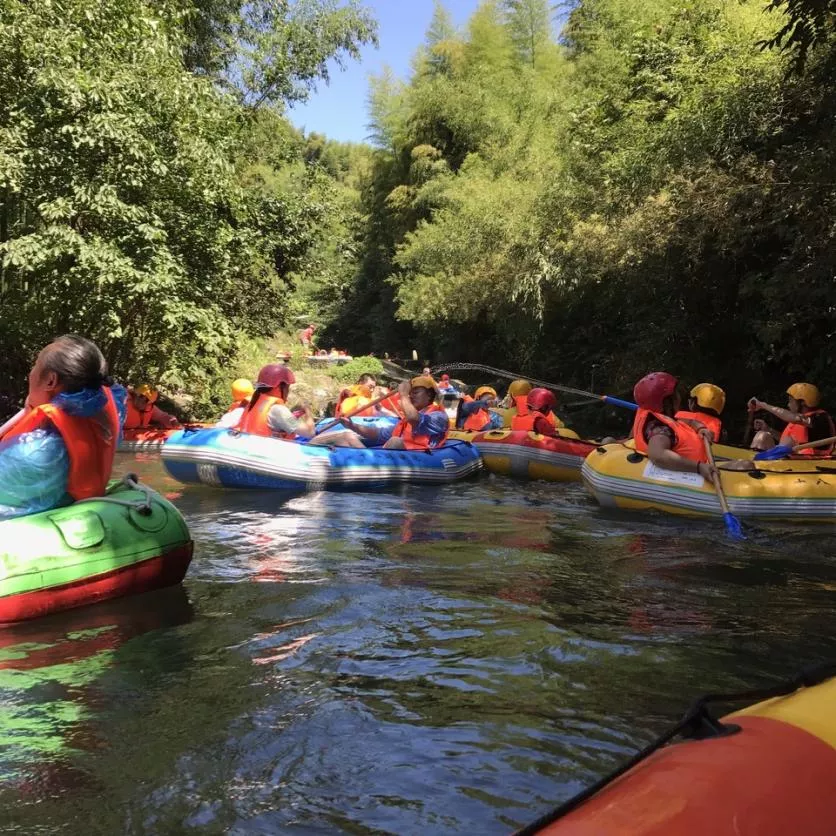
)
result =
(541, 399)
(650, 392)
(271, 376)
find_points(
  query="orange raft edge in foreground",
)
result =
(774, 777)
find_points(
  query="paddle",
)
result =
(545, 384)
(784, 450)
(733, 527)
(351, 414)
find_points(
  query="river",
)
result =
(423, 660)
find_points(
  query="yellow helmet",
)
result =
(805, 392)
(242, 389)
(147, 392)
(424, 381)
(484, 390)
(519, 388)
(709, 396)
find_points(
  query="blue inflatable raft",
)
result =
(229, 459)
(378, 422)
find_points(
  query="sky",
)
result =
(338, 109)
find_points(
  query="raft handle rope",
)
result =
(129, 480)
(697, 724)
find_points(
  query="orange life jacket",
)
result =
(254, 419)
(403, 429)
(710, 422)
(477, 421)
(800, 434)
(136, 420)
(525, 421)
(521, 404)
(354, 402)
(686, 440)
(90, 442)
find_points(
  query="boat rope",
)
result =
(697, 724)
(478, 367)
(130, 481)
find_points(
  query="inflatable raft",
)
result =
(531, 455)
(228, 459)
(378, 422)
(764, 771)
(144, 440)
(130, 541)
(619, 477)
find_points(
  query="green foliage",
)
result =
(356, 366)
(142, 205)
(650, 191)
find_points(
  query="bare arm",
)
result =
(785, 415)
(660, 453)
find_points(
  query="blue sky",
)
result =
(338, 109)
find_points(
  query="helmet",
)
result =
(650, 392)
(805, 392)
(147, 392)
(242, 389)
(519, 388)
(424, 381)
(484, 390)
(270, 376)
(709, 396)
(541, 399)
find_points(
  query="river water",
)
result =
(424, 660)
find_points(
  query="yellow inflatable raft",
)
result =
(619, 477)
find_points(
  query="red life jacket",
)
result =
(254, 419)
(136, 420)
(800, 434)
(392, 404)
(687, 441)
(526, 421)
(90, 442)
(710, 422)
(403, 430)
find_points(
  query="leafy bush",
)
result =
(355, 367)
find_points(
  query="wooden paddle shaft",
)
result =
(351, 414)
(822, 442)
(715, 475)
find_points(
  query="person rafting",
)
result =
(705, 404)
(60, 447)
(267, 413)
(475, 413)
(142, 410)
(670, 443)
(358, 397)
(424, 426)
(242, 391)
(536, 413)
(806, 420)
(446, 387)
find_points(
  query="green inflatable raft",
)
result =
(130, 540)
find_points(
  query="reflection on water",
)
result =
(423, 660)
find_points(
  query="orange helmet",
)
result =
(147, 391)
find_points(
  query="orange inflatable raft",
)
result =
(767, 770)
